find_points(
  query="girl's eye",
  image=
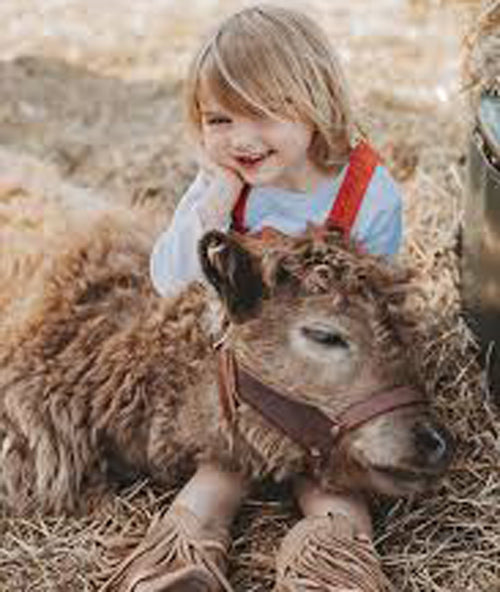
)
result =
(217, 120)
(325, 337)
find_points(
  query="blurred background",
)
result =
(93, 87)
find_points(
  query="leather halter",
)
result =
(305, 424)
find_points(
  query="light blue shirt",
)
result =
(378, 225)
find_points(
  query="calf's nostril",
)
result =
(433, 444)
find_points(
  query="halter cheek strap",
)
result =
(305, 424)
(362, 165)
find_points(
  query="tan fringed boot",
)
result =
(322, 554)
(330, 550)
(176, 555)
(185, 549)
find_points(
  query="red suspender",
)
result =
(362, 165)
(238, 222)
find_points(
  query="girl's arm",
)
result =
(206, 205)
(173, 262)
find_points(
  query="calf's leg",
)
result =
(185, 549)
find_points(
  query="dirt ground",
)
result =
(94, 90)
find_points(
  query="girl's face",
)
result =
(263, 150)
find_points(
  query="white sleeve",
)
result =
(174, 260)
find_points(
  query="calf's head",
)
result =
(329, 327)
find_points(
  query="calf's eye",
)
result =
(324, 336)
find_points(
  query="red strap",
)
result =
(343, 214)
(238, 222)
(361, 167)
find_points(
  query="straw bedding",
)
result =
(482, 51)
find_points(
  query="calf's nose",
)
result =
(434, 445)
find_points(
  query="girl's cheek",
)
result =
(215, 155)
(208, 142)
(214, 146)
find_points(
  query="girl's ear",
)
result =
(233, 272)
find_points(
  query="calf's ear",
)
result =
(233, 272)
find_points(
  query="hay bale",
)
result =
(481, 65)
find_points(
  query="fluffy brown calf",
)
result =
(100, 376)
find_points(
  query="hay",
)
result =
(448, 540)
(482, 51)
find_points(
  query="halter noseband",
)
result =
(306, 425)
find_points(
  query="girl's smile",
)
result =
(252, 161)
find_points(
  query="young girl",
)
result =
(268, 107)
(267, 103)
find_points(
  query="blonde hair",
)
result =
(269, 60)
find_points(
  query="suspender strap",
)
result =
(362, 165)
(238, 221)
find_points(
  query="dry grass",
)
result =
(482, 51)
(448, 540)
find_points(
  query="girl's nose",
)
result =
(245, 138)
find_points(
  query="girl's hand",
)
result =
(224, 177)
(224, 188)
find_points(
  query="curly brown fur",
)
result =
(90, 368)
(98, 375)
(323, 262)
